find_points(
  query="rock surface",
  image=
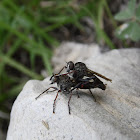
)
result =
(115, 115)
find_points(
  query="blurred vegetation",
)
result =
(29, 30)
(130, 29)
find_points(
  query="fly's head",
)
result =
(70, 69)
(54, 78)
(70, 66)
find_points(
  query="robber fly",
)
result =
(67, 85)
(78, 70)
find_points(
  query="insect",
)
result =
(79, 70)
(67, 85)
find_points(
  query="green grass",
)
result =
(26, 26)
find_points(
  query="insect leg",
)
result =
(68, 73)
(55, 101)
(69, 102)
(77, 93)
(92, 95)
(77, 86)
(45, 91)
(61, 70)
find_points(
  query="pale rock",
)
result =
(115, 115)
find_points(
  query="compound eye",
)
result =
(53, 78)
(70, 65)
